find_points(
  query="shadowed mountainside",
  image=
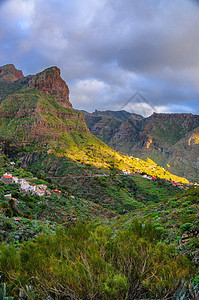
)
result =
(171, 140)
(38, 123)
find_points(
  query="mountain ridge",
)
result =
(39, 117)
(168, 139)
(68, 241)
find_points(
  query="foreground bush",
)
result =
(89, 262)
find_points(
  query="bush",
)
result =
(9, 212)
(186, 203)
(186, 227)
(96, 262)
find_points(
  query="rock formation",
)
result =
(10, 73)
(49, 82)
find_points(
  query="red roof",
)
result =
(7, 176)
(56, 191)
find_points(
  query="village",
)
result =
(177, 184)
(42, 190)
(25, 186)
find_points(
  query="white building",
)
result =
(32, 188)
(40, 193)
(24, 184)
(15, 179)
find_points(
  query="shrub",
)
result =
(186, 203)
(186, 227)
(96, 262)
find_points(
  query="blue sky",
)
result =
(109, 49)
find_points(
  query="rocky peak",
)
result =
(50, 82)
(10, 73)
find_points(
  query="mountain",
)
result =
(39, 125)
(68, 240)
(106, 124)
(11, 80)
(171, 140)
(121, 115)
(10, 73)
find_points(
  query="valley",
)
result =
(94, 206)
(171, 140)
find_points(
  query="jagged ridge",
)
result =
(40, 118)
(170, 140)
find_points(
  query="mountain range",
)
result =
(39, 126)
(170, 140)
(79, 220)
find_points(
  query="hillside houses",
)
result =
(40, 190)
(149, 177)
(15, 179)
(7, 178)
(24, 185)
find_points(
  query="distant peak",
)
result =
(10, 73)
(8, 66)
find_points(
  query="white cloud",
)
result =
(87, 92)
(108, 49)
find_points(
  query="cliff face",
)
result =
(37, 122)
(37, 117)
(171, 140)
(28, 117)
(49, 82)
(36, 108)
(10, 73)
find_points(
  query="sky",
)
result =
(107, 50)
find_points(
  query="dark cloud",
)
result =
(108, 49)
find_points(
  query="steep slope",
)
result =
(49, 82)
(103, 127)
(107, 124)
(38, 124)
(41, 113)
(170, 140)
(184, 156)
(10, 73)
(11, 80)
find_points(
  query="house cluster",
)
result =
(149, 177)
(179, 185)
(126, 172)
(40, 190)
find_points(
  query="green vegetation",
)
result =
(111, 258)
(179, 223)
(165, 138)
(89, 262)
(8, 88)
(36, 124)
(119, 193)
(106, 235)
(171, 130)
(28, 215)
(25, 216)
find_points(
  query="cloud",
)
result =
(108, 49)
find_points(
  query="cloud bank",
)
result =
(109, 49)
